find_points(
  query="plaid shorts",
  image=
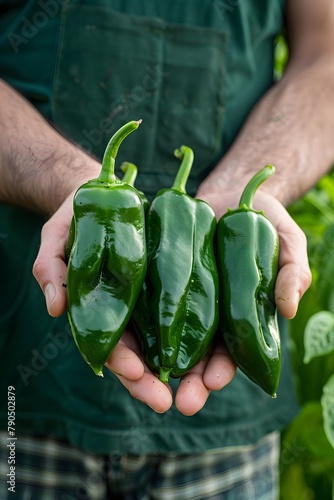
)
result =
(49, 469)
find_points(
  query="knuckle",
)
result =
(38, 268)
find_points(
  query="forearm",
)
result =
(291, 128)
(38, 167)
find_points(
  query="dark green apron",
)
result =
(114, 67)
(191, 70)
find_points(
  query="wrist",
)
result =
(223, 188)
(39, 168)
(49, 171)
(233, 172)
(70, 170)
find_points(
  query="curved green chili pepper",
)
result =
(107, 260)
(177, 312)
(248, 251)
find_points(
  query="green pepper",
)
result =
(130, 174)
(176, 314)
(108, 258)
(248, 251)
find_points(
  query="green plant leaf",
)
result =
(327, 403)
(316, 199)
(299, 442)
(307, 457)
(319, 335)
(326, 185)
(281, 56)
(324, 253)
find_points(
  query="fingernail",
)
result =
(296, 298)
(50, 293)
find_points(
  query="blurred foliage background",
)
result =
(307, 445)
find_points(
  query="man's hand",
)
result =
(294, 276)
(214, 372)
(49, 268)
(217, 369)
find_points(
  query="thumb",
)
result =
(49, 268)
(294, 276)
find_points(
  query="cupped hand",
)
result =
(214, 372)
(126, 362)
(294, 276)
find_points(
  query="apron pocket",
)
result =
(113, 68)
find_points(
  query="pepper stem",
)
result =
(187, 156)
(130, 172)
(107, 174)
(247, 196)
(164, 374)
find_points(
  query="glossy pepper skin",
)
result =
(108, 258)
(247, 257)
(130, 174)
(177, 312)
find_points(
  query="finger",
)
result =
(292, 282)
(294, 276)
(127, 364)
(125, 360)
(214, 372)
(192, 393)
(149, 390)
(220, 369)
(49, 268)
